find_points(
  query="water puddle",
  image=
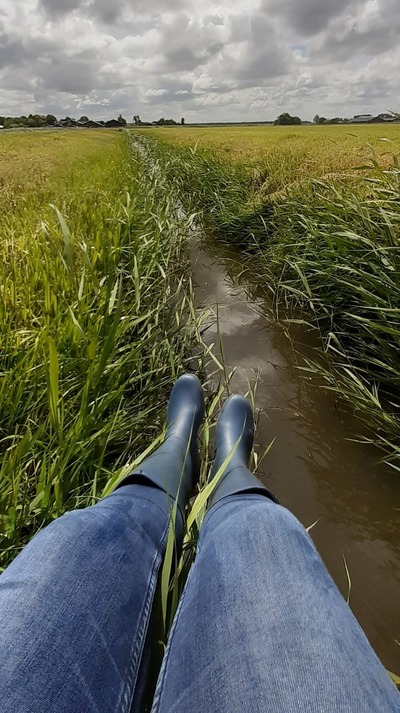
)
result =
(312, 468)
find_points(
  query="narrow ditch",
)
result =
(313, 467)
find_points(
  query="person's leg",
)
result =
(75, 605)
(261, 625)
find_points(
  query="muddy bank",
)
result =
(312, 468)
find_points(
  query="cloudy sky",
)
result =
(206, 61)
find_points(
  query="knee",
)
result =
(73, 529)
(256, 518)
(277, 517)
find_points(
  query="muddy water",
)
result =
(312, 468)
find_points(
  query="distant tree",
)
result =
(33, 120)
(323, 120)
(136, 119)
(183, 121)
(84, 118)
(50, 120)
(40, 119)
(286, 120)
(316, 119)
(121, 120)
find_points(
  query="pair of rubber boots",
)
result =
(175, 467)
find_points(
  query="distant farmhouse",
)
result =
(113, 124)
(370, 119)
(89, 124)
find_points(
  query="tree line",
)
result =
(40, 120)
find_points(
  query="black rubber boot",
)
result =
(235, 426)
(174, 467)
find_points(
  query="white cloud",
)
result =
(246, 59)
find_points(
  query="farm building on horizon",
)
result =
(89, 124)
(370, 119)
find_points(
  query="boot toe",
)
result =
(236, 422)
(185, 406)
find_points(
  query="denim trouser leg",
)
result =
(262, 627)
(75, 607)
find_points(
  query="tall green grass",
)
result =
(96, 322)
(341, 265)
(327, 254)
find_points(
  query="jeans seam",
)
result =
(163, 671)
(124, 704)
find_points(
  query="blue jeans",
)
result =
(260, 626)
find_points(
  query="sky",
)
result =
(242, 60)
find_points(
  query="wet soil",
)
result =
(314, 468)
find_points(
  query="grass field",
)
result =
(284, 155)
(315, 212)
(95, 320)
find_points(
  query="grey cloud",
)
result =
(144, 6)
(17, 51)
(54, 66)
(186, 58)
(174, 84)
(261, 67)
(11, 51)
(214, 19)
(239, 27)
(76, 77)
(168, 97)
(263, 56)
(170, 89)
(307, 17)
(370, 44)
(185, 44)
(369, 35)
(60, 7)
(103, 105)
(16, 79)
(108, 11)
